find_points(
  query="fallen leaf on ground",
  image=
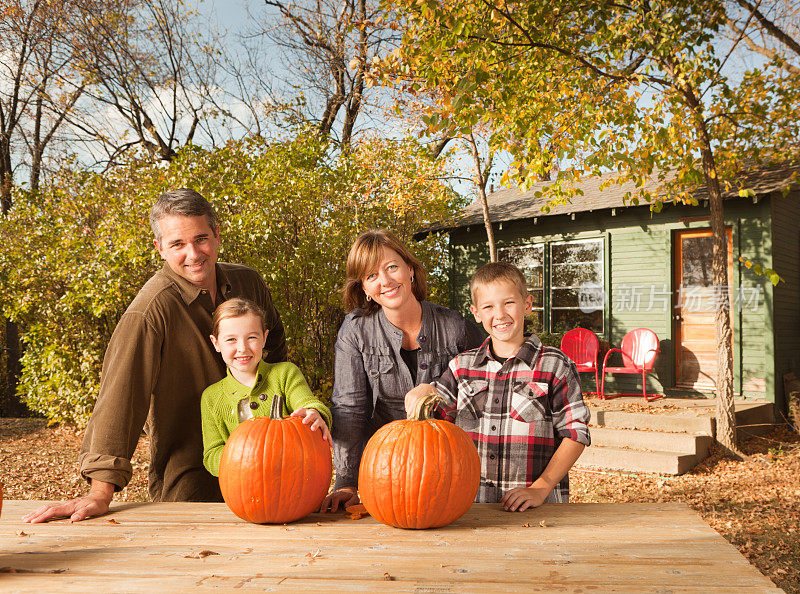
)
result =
(543, 524)
(21, 533)
(112, 521)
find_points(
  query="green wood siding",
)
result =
(786, 296)
(639, 256)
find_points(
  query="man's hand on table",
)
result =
(94, 503)
(346, 496)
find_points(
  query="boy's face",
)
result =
(501, 308)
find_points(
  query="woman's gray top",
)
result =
(371, 379)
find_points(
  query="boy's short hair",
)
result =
(236, 308)
(495, 271)
(364, 257)
(181, 202)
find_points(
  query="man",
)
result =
(159, 361)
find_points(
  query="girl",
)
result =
(239, 334)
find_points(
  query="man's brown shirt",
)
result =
(156, 366)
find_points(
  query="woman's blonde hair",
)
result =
(365, 255)
(236, 308)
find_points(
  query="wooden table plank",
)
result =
(155, 547)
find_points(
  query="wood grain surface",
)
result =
(160, 547)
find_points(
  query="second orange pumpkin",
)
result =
(419, 473)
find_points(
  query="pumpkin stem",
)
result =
(426, 407)
(276, 409)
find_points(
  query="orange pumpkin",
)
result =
(421, 473)
(274, 470)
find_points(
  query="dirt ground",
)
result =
(754, 504)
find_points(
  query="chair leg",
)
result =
(603, 387)
(644, 390)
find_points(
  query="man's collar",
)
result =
(190, 292)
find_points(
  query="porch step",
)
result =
(679, 443)
(673, 421)
(631, 460)
(638, 437)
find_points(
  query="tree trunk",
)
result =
(482, 177)
(12, 407)
(726, 413)
(726, 418)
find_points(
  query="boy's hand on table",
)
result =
(314, 420)
(523, 498)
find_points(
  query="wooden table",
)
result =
(181, 546)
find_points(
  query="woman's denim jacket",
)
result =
(371, 379)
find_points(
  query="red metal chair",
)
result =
(639, 350)
(581, 345)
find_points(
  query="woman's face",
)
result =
(389, 284)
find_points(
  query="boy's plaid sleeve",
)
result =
(570, 413)
(447, 387)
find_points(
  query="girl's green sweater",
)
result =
(219, 405)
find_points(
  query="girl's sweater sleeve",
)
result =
(299, 395)
(215, 433)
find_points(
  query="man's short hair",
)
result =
(495, 271)
(181, 202)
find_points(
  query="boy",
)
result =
(520, 401)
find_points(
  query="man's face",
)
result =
(189, 246)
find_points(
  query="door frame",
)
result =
(677, 272)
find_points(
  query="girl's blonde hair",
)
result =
(365, 255)
(236, 308)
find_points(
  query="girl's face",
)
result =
(241, 341)
(389, 285)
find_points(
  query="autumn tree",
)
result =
(641, 88)
(40, 82)
(151, 73)
(329, 47)
(289, 209)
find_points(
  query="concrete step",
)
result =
(681, 443)
(671, 421)
(629, 460)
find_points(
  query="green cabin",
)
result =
(602, 264)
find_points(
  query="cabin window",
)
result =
(566, 281)
(530, 260)
(576, 285)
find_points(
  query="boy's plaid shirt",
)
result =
(517, 413)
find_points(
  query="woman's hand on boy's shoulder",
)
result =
(314, 420)
(523, 498)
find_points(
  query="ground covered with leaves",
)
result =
(754, 503)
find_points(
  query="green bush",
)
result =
(76, 253)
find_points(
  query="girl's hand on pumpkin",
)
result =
(523, 498)
(346, 496)
(314, 420)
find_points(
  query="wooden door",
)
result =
(695, 302)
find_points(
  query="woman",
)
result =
(391, 341)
